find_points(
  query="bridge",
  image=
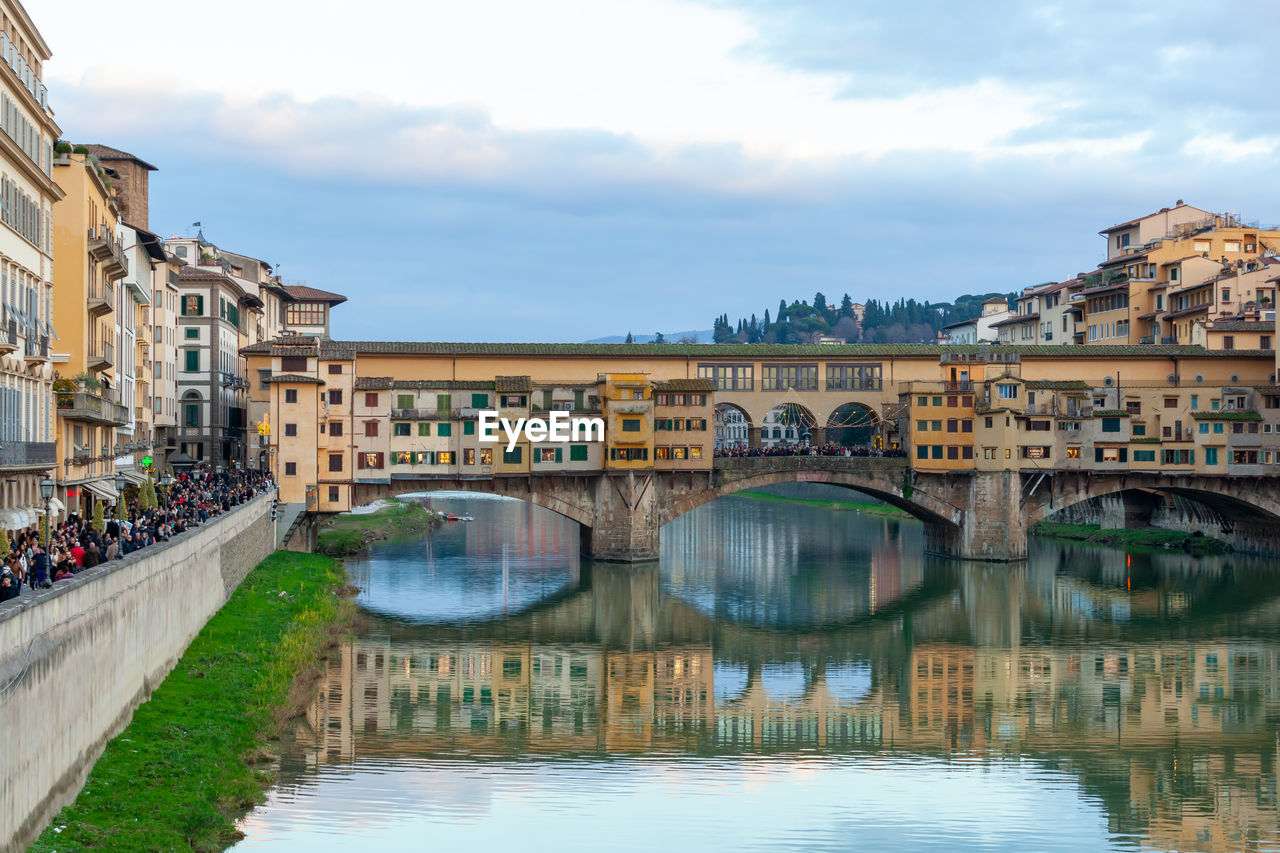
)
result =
(977, 515)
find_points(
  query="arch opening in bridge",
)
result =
(733, 426)
(787, 425)
(852, 425)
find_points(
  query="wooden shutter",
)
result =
(359, 460)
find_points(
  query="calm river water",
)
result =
(786, 677)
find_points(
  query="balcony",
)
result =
(88, 406)
(37, 348)
(101, 299)
(1048, 336)
(9, 336)
(1147, 340)
(103, 246)
(1168, 340)
(17, 455)
(101, 356)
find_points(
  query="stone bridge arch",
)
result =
(565, 496)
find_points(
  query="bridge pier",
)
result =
(995, 523)
(624, 525)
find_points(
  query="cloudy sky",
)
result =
(561, 170)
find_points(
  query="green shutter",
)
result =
(479, 401)
(404, 401)
(200, 305)
(443, 403)
(578, 453)
(193, 361)
(468, 427)
(558, 457)
(445, 429)
(424, 428)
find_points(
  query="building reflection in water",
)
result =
(1153, 680)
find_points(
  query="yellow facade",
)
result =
(88, 267)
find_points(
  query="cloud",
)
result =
(566, 170)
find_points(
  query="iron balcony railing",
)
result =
(28, 454)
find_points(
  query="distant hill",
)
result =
(703, 336)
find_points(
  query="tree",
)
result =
(120, 508)
(820, 303)
(846, 307)
(99, 524)
(659, 339)
(630, 339)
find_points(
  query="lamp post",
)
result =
(46, 492)
(121, 482)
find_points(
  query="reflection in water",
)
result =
(823, 696)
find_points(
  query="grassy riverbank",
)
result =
(865, 507)
(1147, 538)
(346, 534)
(198, 754)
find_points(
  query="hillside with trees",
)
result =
(802, 322)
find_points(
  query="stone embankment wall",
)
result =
(75, 660)
(1246, 533)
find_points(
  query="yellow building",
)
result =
(628, 411)
(89, 265)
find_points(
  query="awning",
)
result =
(101, 489)
(57, 506)
(132, 475)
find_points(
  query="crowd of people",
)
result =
(74, 544)
(741, 451)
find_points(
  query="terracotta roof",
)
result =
(1243, 326)
(312, 294)
(1133, 222)
(442, 385)
(513, 384)
(294, 377)
(190, 272)
(685, 385)
(1104, 288)
(106, 152)
(1195, 309)
(715, 352)
(1125, 259)
(1017, 318)
(1059, 384)
(1180, 260)
(373, 383)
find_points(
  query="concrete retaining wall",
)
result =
(75, 660)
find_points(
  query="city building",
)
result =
(88, 270)
(28, 454)
(983, 328)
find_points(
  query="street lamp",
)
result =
(46, 492)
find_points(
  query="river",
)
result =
(786, 677)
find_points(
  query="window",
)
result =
(444, 403)
(1073, 453)
(444, 457)
(546, 454)
(1111, 454)
(953, 401)
(1139, 429)
(404, 401)
(630, 424)
(729, 377)
(191, 414)
(304, 314)
(424, 428)
(291, 469)
(937, 401)
(335, 462)
(192, 334)
(486, 456)
(1211, 456)
(400, 428)
(1179, 457)
(468, 427)
(1007, 392)
(1264, 342)
(1217, 428)
(1144, 456)
(953, 452)
(953, 425)
(291, 395)
(922, 426)
(988, 453)
(577, 453)
(922, 451)
(335, 369)
(371, 429)
(695, 452)
(335, 396)
(513, 456)
(291, 430)
(854, 377)
(987, 423)
(192, 360)
(371, 401)
(293, 364)
(922, 401)
(1171, 402)
(193, 305)
(444, 429)
(469, 456)
(369, 460)
(333, 494)
(1228, 342)
(935, 451)
(783, 377)
(1110, 424)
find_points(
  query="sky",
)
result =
(567, 169)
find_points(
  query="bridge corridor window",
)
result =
(729, 377)
(784, 377)
(855, 377)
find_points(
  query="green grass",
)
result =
(347, 534)
(865, 507)
(184, 768)
(1145, 538)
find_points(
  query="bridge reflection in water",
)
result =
(1153, 682)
